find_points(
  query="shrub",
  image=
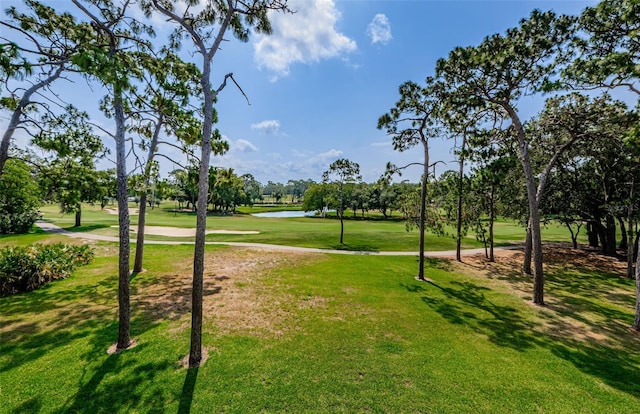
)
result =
(29, 267)
(19, 198)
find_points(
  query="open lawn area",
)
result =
(300, 332)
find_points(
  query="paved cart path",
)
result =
(52, 228)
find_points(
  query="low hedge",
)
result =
(25, 268)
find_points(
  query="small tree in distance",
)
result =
(341, 172)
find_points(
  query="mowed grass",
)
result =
(361, 235)
(329, 334)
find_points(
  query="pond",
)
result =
(288, 214)
(285, 214)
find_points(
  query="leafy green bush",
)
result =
(29, 267)
(19, 198)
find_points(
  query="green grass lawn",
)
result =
(365, 235)
(322, 333)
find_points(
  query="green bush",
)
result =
(19, 198)
(29, 267)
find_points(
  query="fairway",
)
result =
(314, 232)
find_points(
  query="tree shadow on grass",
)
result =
(119, 384)
(585, 321)
(87, 228)
(435, 263)
(32, 405)
(617, 368)
(466, 303)
(39, 322)
(354, 248)
(186, 397)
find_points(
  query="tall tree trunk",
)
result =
(630, 240)
(124, 303)
(623, 234)
(592, 234)
(142, 220)
(610, 235)
(459, 210)
(423, 207)
(195, 352)
(601, 233)
(636, 322)
(492, 218)
(528, 247)
(534, 214)
(538, 275)
(78, 215)
(142, 212)
(341, 214)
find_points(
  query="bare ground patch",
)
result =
(238, 292)
(114, 210)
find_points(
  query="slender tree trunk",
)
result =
(78, 215)
(492, 218)
(574, 236)
(17, 114)
(528, 247)
(423, 207)
(195, 353)
(610, 235)
(538, 275)
(124, 303)
(341, 214)
(592, 234)
(534, 214)
(142, 212)
(623, 234)
(142, 220)
(459, 210)
(630, 240)
(636, 322)
(601, 233)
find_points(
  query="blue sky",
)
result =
(318, 84)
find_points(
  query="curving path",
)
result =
(52, 228)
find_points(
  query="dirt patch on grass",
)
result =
(238, 292)
(114, 210)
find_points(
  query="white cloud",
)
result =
(271, 126)
(381, 144)
(306, 36)
(379, 30)
(330, 155)
(243, 145)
